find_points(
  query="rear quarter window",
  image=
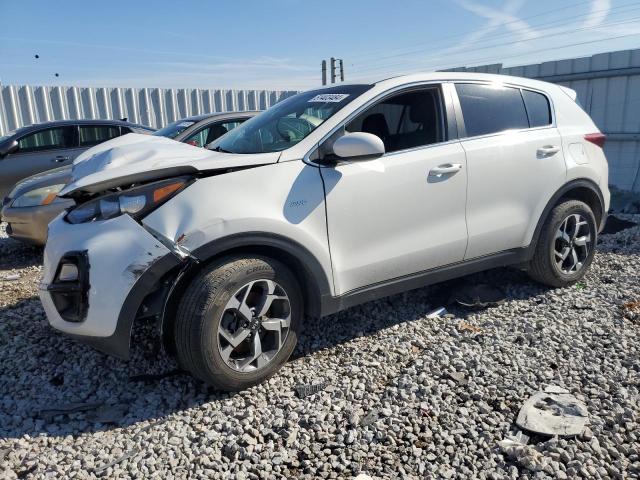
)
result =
(538, 108)
(489, 109)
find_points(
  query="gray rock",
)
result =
(382, 355)
(525, 455)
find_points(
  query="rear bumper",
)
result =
(123, 264)
(29, 224)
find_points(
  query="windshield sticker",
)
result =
(185, 124)
(329, 97)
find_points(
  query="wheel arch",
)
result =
(303, 264)
(581, 189)
(313, 280)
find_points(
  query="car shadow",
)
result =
(15, 254)
(53, 385)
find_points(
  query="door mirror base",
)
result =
(10, 147)
(328, 160)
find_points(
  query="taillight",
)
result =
(596, 138)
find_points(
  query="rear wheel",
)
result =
(566, 245)
(238, 321)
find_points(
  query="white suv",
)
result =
(331, 198)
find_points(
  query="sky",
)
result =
(279, 44)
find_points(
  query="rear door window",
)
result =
(49, 139)
(538, 108)
(491, 109)
(95, 134)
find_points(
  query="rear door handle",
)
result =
(548, 150)
(445, 169)
(60, 158)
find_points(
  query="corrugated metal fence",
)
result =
(155, 107)
(608, 87)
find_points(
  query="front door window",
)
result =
(48, 139)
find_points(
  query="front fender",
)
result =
(278, 206)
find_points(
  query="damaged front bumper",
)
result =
(96, 276)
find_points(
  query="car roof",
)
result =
(463, 76)
(65, 123)
(400, 80)
(220, 115)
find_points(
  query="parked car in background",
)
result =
(45, 146)
(201, 130)
(330, 198)
(33, 203)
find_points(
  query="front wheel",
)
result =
(238, 321)
(566, 245)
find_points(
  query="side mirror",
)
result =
(7, 148)
(358, 146)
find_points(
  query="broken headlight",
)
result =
(137, 201)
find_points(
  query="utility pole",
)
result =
(324, 72)
(335, 64)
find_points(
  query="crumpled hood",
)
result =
(135, 157)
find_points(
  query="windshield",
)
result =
(173, 129)
(288, 122)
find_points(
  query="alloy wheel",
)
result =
(572, 244)
(254, 325)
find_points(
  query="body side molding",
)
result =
(425, 278)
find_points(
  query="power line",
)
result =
(564, 22)
(556, 24)
(513, 22)
(375, 67)
(488, 59)
(566, 46)
(458, 35)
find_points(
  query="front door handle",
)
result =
(60, 158)
(445, 169)
(548, 150)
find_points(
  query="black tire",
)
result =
(543, 267)
(200, 310)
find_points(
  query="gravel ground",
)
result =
(406, 396)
